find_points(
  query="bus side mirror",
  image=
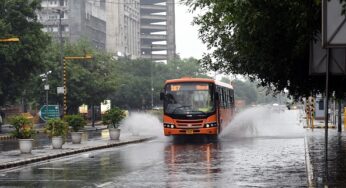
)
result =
(217, 97)
(162, 96)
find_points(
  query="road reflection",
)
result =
(196, 159)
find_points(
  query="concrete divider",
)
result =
(12, 159)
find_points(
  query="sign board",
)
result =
(105, 105)
(60, 90)
(333, 24)
(83, 109)
(51, 112)
(46, 87)
(318, 59)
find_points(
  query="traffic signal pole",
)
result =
(86, 57)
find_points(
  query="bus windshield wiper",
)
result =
(180, 107)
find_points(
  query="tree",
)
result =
(19, 61)
(265, 40)
(134, 80)
(88, 81)
(243, 90)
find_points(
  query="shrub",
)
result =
(77, 122)
(24, 128)
(113, 117)
(56, 127)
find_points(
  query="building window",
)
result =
(321, 105)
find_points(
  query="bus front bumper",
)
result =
(175, 131)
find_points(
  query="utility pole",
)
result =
(61, 39)
(151, 76)
(46, 87)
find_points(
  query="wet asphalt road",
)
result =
(265, 159)
(247, 162)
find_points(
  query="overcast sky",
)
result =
(187, 42)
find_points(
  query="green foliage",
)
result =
(56, 127)
(265, 40)
(21, 60)
(133, 81)
(24, 128)
(77, 122)
(126, 82)
(113, 117)
(245, 91)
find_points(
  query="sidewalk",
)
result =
(335, 173)
(13, 158)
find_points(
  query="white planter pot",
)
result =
(25, 145)
(114, 133)
(57, 142)
(76, 137)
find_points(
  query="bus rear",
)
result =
(189, 107)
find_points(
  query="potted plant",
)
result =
(24, 132)
(112, 119)
(76, 122)
(56, 129)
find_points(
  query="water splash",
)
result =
(264, 121)
(142, 124)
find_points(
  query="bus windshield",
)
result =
(188, 98)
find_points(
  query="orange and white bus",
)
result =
(196, 106)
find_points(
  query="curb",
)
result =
(70, 152)
(308, 165)
(321, 127)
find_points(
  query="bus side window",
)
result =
(226, 98)
(220, 96)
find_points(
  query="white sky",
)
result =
(187, 42)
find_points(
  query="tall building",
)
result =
(131, 28)
(77, 19)
(123, 28)
(157, 28)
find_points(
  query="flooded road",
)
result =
(269, 162)
(259, 160)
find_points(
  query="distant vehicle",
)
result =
(278, 108)
(157, 108)
(196, 106)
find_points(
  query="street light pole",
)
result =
(151, 76)
(46, 88)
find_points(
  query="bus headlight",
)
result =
(212, 124)
(168, 125)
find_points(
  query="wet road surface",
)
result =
(246, 162)
(261, 149)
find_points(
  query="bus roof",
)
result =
(205, 80)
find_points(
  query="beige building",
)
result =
(123, 28)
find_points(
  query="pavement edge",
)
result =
(309, 167)
(70, 152)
